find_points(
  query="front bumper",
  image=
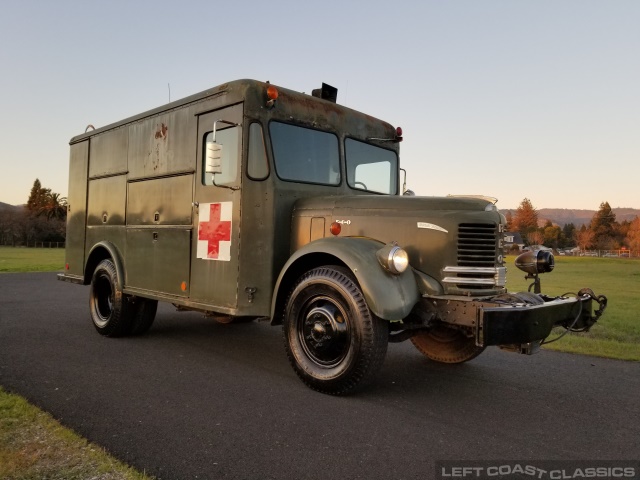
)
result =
(513, 319)
(514, 324)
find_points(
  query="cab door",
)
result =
(216, 238)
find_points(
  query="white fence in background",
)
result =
(36, 245)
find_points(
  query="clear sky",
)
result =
(510, 99)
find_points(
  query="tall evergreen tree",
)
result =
(603, 226)
(37, 197)
(568, 230)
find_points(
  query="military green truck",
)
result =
(250, 201)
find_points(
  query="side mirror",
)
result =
(214, 158)
(213, 162)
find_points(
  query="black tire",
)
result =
(334, 343)
(144, 313)
(110, 310)
(446, 345)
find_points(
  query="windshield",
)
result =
(305, 155)
(371, 168)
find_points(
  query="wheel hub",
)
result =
(324, 333)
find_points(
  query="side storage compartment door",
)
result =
(216, 230)
(159, 234)
(159, 202)
(77, 208)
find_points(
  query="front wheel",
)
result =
(334, 343)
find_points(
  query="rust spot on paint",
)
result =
(161, 131)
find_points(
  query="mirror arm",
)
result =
(215, 124)
(213, 180)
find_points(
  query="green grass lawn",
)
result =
(20, 259)
(34, 446)
(617, 333)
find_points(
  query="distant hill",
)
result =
(562, 216)
(6, 207)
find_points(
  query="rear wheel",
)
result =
(110, 312)
(334, 343)
(446, 345)
(144, 313)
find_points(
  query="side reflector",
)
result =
(335, 228)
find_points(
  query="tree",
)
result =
(37, 197)
(568, 231)
(584, 237)
(603, 226)
(552, 234)
(525, 220)
(633, 235)
(509, 219)
(535, 237)
(622, 231)
(54, 206)
(41, 220)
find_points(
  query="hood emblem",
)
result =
(431, 226)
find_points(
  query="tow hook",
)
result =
(601, 300)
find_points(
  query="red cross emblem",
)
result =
(214, 231)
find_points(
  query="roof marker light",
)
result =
(272, 95)
(272, 92)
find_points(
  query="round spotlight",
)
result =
(540, 261)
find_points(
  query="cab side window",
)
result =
(257, 163)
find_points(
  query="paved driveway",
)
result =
(196, 399)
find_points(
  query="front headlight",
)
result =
(393, 258)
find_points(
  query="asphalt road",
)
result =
(197, 399)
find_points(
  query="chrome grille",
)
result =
(476, 269)
(477, 245)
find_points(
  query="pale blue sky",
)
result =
(511, 99)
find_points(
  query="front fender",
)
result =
(388, 296)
